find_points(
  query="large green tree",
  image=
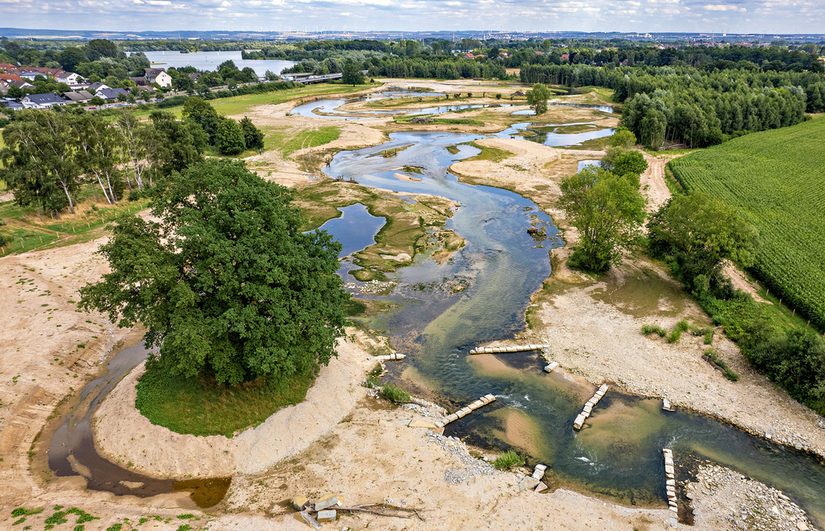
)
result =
(607, 209)
(253, 137)
(351, 74)
(537, 98)
(226, 282)
(229, 138)
(696, 233)
(40, 161)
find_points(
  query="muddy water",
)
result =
(618, 453)
(72, 451)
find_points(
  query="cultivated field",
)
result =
(776, 180)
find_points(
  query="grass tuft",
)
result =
(508, 460)
(395, 394)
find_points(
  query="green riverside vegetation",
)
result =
(774, 179)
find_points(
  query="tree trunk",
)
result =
(68, 196)
(106, 195)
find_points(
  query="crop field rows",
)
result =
(776, 179)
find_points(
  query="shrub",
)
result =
(508, 460)
(676, 333)
(653, 329)
(711, 356)
(395, 394)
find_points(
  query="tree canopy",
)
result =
(696, 233)
(226, 283)
(537, 98)
(607, 209)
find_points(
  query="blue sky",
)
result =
(734, 16)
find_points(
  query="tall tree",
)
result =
(352, 74)
(607, 209)
(537, 98)
(99, 151)
(253, 137)
(40, 160)
(227, 283)
(230, 137)
(174, 146)
(696, 232)
(136, 139)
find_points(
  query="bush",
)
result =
(711, 356)
(395, 394)
(676, 333)
(653, 329)
(508, 460)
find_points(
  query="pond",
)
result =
(211, 60)
(355, 228)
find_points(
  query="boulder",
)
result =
(299, 502)
(330, 500)
(528, 482)
(326, 515)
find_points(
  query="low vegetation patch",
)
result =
(201, 407)
(653, 329)
(711, 356)
(395, 394)
(489, 153)
(288, 142)
(508, 460)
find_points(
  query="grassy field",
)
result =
(188, 405)
(288, 142)
(237, 105)
(23, 230)
(775, 180)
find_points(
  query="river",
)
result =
(617, 454)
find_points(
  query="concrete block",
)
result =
(541, 487)
(528, 482)
(422, 423)
(330, 500)
(326, 515)
(299, 502)
(550, 367)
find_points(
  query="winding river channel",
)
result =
(617, 454)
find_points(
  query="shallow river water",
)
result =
(617, 454)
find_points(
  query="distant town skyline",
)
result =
(713, 16)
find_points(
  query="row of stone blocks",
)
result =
(588, 407)
(670, 481)
(390, 357)
(508, 350)
(466, 410)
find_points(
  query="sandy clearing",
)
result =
(123, 435)
(373, 456)
(603, 341)
(40, 339)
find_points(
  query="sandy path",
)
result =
(160, 452)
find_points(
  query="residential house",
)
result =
(74, 81)
(42, 101)
(158, 76)
(9, 103)
(195, 76)
(94, 87)
(80, 96)
(111, 93)
(8, 80)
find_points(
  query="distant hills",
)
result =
(24, 33)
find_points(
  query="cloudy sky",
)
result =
(733, 16)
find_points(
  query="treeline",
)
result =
(771, 58)
(691, 106)
(443, 67)
(49, 155)
(97, 60)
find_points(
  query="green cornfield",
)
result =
(776, 179)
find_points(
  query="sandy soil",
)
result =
(745, 503)
(374, 457)
(595, 331)
(159, 452)
(48, 347)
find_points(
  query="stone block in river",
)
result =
(299, 502)
(528, 482)
(327, 515)
(327, 501)
(550, 367)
